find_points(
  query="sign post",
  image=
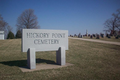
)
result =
(31, 60)
(60, 56)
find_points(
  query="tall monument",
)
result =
(86, 33)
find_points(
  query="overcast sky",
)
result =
(76, 16)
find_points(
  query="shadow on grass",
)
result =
(21, 63)
(116, 47)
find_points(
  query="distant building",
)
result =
(1, 35)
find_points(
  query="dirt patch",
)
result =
(44, 66)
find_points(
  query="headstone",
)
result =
(71, 35)
(117, 37)
(98, 37)
(44, 40)
(75, 35)
(102, 35)
(81, 36)
(108, 35)
(88, 35)
(1, 35)
(91, 36)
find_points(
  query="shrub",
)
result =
(18, 34)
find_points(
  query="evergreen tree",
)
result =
(10, 35)
(18, 34)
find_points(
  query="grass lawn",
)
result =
(92, 61)
(105, 39)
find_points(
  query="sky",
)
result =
(76, 16)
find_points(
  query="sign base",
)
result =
(60, 56)
(31, 59)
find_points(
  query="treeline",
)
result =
(12, 36)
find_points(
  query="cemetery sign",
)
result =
(44, 40)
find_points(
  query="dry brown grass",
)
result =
(92, 61)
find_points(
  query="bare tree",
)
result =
(109, 24)
(113, 24)
(9, 28)
(4, 26)
(117, 19)
(27, 20)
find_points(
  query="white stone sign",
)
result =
(1, 35)
(44, 40)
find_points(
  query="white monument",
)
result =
(44, 40)
(86, 33)
(1, 35)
